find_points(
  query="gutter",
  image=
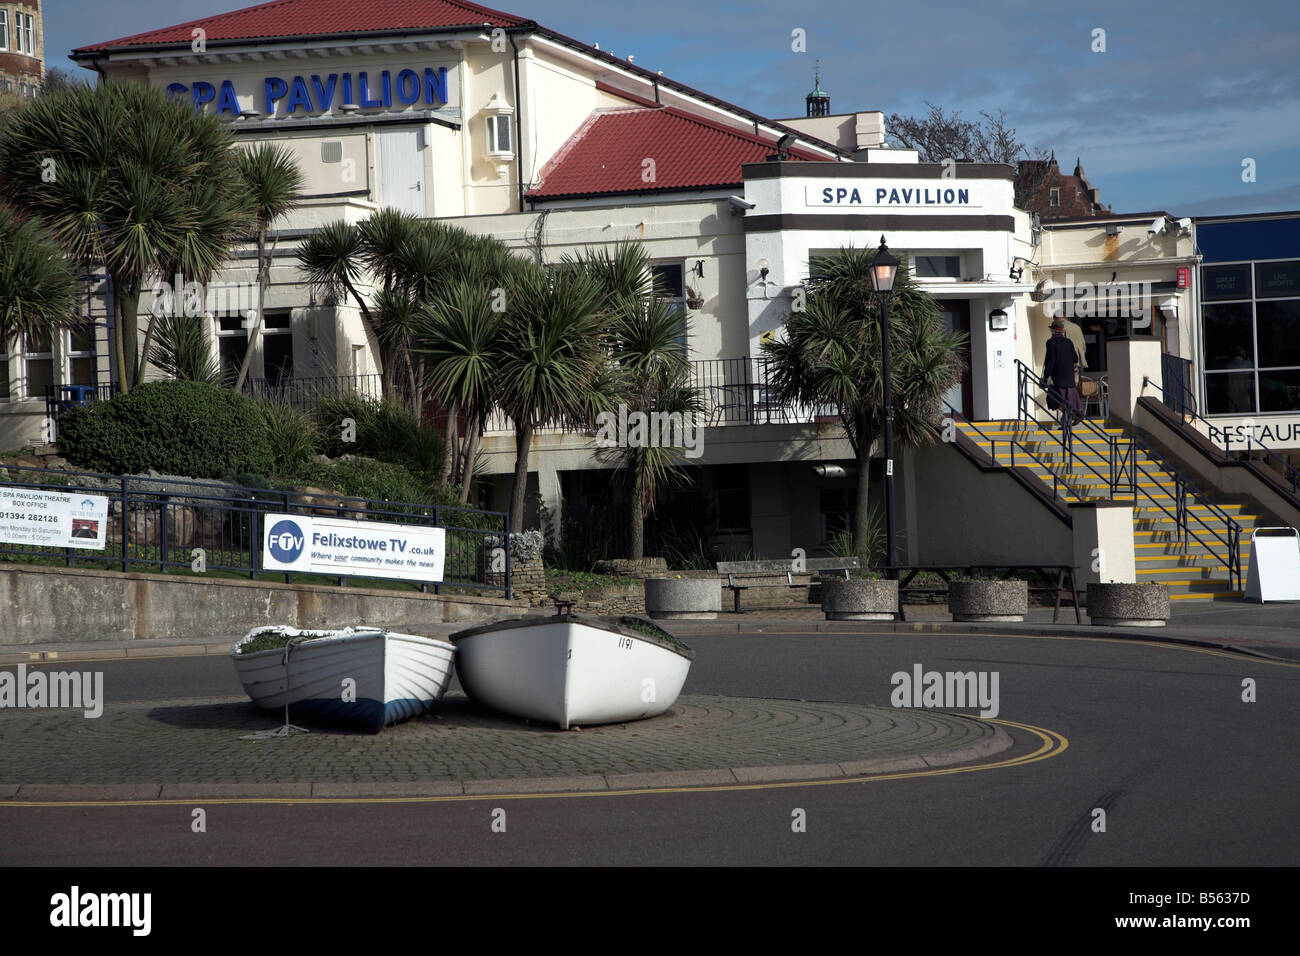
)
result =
(519, 122)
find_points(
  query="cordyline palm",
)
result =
(552, 360)
(126, 178)
(332, 259)
(273, 182)
(653, 377)
(461, 333)
(651, 371)
(830, 355)
(38, 287)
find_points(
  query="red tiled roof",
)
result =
(293, 18)
(608, 154)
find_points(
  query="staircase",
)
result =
(1191, 569)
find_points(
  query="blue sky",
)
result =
(1162, 119)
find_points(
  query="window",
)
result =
(38, 362)
(499, 142)
(4, 29)
(937, 267)
(18, 33)
(1252, 344)
(31, 31)
(1054, 196)
(232, 344)
(79, 356)
(6, 356)
(277, 348)
(836, 512)
(670, 285)
(731, 485)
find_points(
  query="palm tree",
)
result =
(651, 370)
(38, 287)
(180, 350)
(274, 183)
(553, 360)
(462, 333)
(830, 355)
(129, 179)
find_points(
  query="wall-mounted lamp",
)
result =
(763, 270)
(1114, 229)
(699, 269)
(998, 320)
(1018, 265)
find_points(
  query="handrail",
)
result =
(1289, 471)
(1011, 442)
(1115, 477)
(1125, 465)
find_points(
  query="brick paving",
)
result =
(168, 743)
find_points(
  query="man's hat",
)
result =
(1058, 325)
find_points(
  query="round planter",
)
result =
(988, 600)
(683, 598)
(859, 599)
(1128, 605)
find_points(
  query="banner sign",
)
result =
(53, 519)
(336, 546)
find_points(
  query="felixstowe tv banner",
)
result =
(335, 546)
(53, 519)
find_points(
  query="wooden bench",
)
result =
(754, 571)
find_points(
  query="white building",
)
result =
(495, 123)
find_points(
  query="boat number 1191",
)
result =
(625, 643)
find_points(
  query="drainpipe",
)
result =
(519, 123)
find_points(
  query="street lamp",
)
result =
(884, 267)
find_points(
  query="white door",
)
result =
(401, 170)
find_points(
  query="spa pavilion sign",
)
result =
(320, 94)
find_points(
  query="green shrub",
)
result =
(180, 428)
(385, 429)
(292, 435)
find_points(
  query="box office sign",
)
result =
(336, 546)
(53, 519)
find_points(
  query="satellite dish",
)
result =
(1045, 290)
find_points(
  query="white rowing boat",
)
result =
(367, 677)
(572, 669)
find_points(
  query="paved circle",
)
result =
(205, 741)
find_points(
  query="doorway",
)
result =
(955, 317)
(401, 170)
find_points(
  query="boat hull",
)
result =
(365, 678)
(568, 670)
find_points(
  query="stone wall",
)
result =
(46, 604)
(639, 568)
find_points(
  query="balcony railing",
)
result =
(303, 393)
(735, 391)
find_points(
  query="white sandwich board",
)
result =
(1274, 565)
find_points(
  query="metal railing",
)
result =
(303, 393)
(1288, 471)
(159, 524)
(1124, 467)
(59, 398)
(1176, 383)
(734, 391)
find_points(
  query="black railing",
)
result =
(60, 398)
(303, 393)
(1176, 383)
(1288, 471)
(157, 525)
(1123, 468)
(734, 391)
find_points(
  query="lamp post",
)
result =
(884, 267)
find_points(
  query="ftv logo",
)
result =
(286, 541)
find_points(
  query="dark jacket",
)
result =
(1059, 363)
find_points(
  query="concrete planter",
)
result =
(1128, 605)
(683, 598)
(859, 599)
(988, 600)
